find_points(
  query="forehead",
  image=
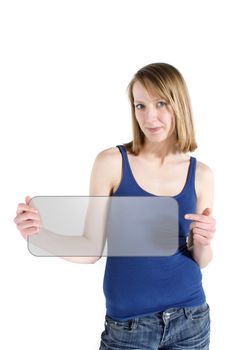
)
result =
(142, 93)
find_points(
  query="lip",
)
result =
(154, 129)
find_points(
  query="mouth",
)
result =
(153, 130)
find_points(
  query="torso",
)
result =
(150, 287)
(168, 180)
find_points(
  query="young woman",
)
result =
(155, 302)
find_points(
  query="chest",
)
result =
(167, 180)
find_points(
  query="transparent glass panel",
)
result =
(105, 226)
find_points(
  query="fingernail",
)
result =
(186, 216)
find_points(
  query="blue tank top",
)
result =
(140, 286)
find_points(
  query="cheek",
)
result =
(138, 118)
(170, 120)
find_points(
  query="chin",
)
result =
(159, 136)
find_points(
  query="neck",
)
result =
(161, 152)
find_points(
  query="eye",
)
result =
(139, 104)
(162, 103)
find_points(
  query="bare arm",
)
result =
(28, 220)
(203, 226)
(101, 184)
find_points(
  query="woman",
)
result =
(155, 302)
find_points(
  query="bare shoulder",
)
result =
(204, 172)
(110, 154)
(111, 158)
(104, 171)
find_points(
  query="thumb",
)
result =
(27, 199)
(207, 211)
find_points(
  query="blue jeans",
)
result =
(174, 329)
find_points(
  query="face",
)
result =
(155, 117)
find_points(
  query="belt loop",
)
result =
(188, 312)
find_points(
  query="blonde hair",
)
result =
(170, 85)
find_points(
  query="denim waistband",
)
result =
(175, 312)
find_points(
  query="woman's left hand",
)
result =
(203, 227)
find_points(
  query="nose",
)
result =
(152, 115)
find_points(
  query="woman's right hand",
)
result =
(27, 219)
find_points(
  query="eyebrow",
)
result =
(157, 99)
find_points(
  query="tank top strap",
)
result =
(123, 152)
(128, 178)
(126, 165)
(190, 185)
(124, 156)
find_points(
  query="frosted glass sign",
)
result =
(105, 226)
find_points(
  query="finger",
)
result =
(204, 233)
(198, 217)
(24, 207)
(26, 216)
(28, 224)
(201, 225)
(207, 211)
(200, 239)
(29, 231)
(27, 199)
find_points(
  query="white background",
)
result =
(65, 66)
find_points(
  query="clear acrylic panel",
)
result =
(105, 226)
